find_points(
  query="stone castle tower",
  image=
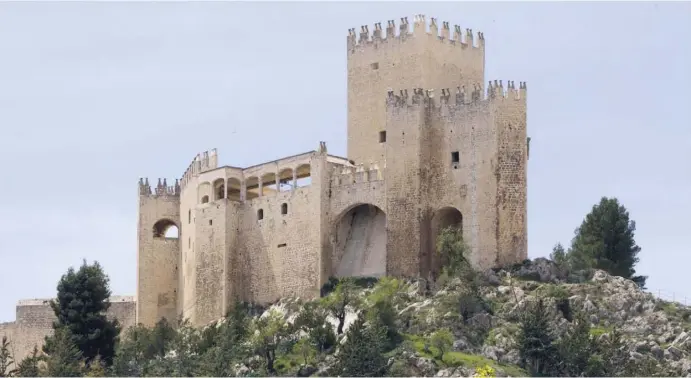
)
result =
(429, 146)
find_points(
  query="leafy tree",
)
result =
(558, 255)
(81, 306)
(442, 340)
(452, 248)
(362, 354)
(337, 303)
(270, 332)
(28, 367)
(305, 348)
(133, 352)
(383, 299)
(576, 349)
(183, 359)
(161, 339)
(228, 344)
(605, 240)
(63, 359)
(535, 341)
(96, 368)
(612, 357)
(313, 321)
(6, 359)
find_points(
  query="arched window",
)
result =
(284, 209)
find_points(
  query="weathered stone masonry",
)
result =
(430, 145)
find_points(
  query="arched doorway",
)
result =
(359, 243)
(441, 219)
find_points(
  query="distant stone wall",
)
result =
(34, 321)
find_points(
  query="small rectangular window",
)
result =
(282, 245)
(455, 157)
(211, 222)
(382, 137)
(375, 65)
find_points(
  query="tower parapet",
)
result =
(345, 175)
(161, 189)
(461, 96)
(462, 38)
(203, 162)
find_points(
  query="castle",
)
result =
(429, 146)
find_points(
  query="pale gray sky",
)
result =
(93, 96)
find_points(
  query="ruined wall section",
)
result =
(402, 58)
(280, 253)
(158, 256)
(406, 122)
(35, 317)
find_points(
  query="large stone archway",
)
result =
(441, 219)
(359, 242)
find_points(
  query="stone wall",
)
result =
(34, 321)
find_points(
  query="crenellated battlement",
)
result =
(347, 175)
(464, 38)
(161, 189)
(203, 162)
(461, 96)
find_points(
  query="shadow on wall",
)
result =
(360, 245)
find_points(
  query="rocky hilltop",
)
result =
(656, 333)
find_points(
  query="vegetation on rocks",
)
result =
(581, 314)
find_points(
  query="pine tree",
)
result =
(576, 348)
(605, 240)
(535, 341)
(6, 359)
(63, 357)
(362, 354)
(28, 367)
(228, 344)
(81, 305)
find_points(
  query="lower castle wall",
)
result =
(34, 321)
(279, 254)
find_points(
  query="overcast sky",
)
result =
(93, 96)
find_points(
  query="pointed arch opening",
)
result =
(359, 242)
